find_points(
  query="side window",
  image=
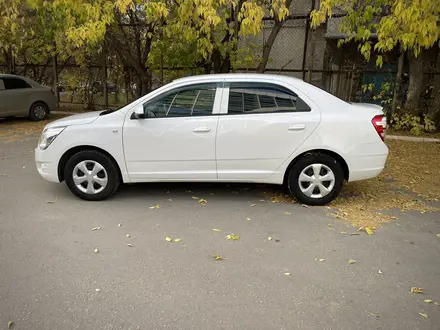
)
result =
(195, 100)
(15, 83)
(263, 98)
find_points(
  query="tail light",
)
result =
(380, 123)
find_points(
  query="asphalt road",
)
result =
(49, 272)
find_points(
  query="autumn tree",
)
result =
(410, 25)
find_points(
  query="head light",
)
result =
(48, 135)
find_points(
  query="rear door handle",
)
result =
(297, 127)
(202, 130)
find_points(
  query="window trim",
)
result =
(225, 98)
(215, 108)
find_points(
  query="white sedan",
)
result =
(220, 128)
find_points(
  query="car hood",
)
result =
(80, 119)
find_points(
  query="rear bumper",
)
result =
(366, 167)
(47, 169)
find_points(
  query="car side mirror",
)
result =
(138, 113)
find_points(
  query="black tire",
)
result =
(302, 164)
(110, 169)
(38, 111)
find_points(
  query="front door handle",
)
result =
(202, 130)
(297, 127)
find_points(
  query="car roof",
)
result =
(222, 76)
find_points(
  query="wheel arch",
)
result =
(72, 151)
(330, 153)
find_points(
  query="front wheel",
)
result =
(316, 179)
(91, 175)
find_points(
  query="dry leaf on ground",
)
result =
(252, 205)
(203, 201)
(269, 238)
(157, 206)
(232, 237)
(120, 224)
(98, 290)
(194, 197)
(96, 228)
(372, 314)
(416, 290)
(129, 245)
(429, 301)
(10, 324)
(217, 230)
(217, 257)
(380, 272)
(96, 250)
(438, 235)
(287, 274)
(351, 261)
(424, 315)
(168, 239)
(248, 219)
(128, 235)
(177, 240)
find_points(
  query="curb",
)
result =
(411, 138)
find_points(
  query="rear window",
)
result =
(15, 83)
(251, 97)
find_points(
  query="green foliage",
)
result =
(413, 24)
(414, 124)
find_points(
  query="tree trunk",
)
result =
(270, 41)
(398, 81)
(415, 83)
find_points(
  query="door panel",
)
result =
(15, 97)
(263, 127)
(177, 140)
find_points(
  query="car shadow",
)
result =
(201, 190)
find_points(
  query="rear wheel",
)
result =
(91, 175)
(38, 111)
(316, 179)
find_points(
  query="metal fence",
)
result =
(299, 51)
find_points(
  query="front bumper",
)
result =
(47, 168)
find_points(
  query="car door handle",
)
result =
(202, 130)
(297, 127)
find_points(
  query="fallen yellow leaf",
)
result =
(51, 202)
(128, 235)
(287, 274)
(129, 245)
(351, 261)
(369, 231)
(96, 250)
(218, 257)
(424, 315)
(438, 235)
(372, 314)
(269, 238)
(215, 229)
(416, 290)
(98, 290)
(429, 301)
(380, 272)
(119, 224)
(168, 239)
(304, 205)
(10, 324)
(321, 259)
(287, 213)
(177, 240)
(195, 197)
(252, 205)
(232, 237)
(436, 303)
(203, 201)
(157, 206)
(96, 228)
(248, 219)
